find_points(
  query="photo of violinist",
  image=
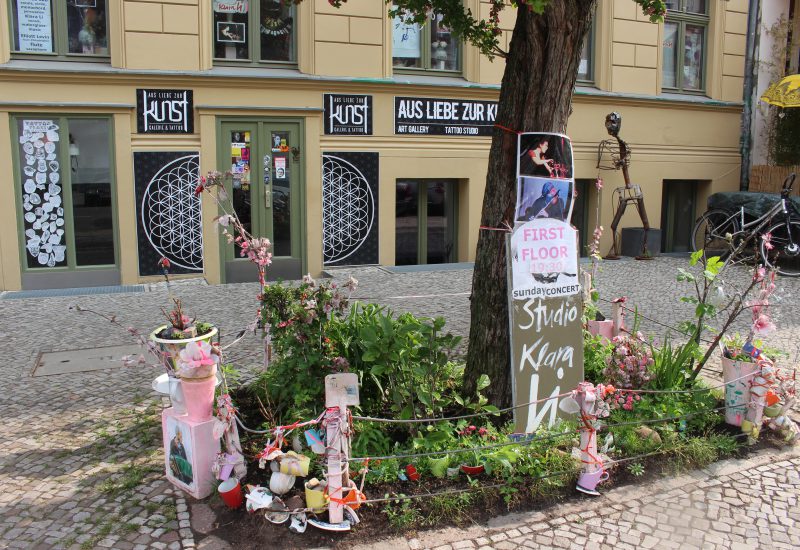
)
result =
(545, 156)
(543, 198)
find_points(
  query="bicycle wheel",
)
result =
(710, 232)
(785, 252)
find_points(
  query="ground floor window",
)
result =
(678, 212)
(425, 225)
(66, 191)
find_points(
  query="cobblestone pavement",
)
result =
(80, 458)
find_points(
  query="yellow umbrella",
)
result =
(784, 93)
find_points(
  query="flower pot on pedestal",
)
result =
(172, 347)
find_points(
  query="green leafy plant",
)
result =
(672, 366)
(636, 469)
(595, 354)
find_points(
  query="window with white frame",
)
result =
(684, 45)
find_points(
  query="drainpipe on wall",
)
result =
(745, 143)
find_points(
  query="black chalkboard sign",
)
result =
(164, 111)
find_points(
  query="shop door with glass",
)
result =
(425, 228)
(265, 189)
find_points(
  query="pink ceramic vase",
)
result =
(199, 397)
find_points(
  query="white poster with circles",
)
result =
(42, 204)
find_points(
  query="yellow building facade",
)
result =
(111, 109)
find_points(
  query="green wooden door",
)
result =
(266, 191)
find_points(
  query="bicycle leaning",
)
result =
(727, 234)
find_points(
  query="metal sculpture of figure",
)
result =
(620, 154)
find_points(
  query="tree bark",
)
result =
(535, 95)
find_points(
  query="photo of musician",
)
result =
(539, 198)
(545, 155)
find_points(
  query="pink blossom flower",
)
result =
(767, 238)
(763, 325)
(598, 183)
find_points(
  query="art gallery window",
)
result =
(60, 28)
(429, 47)
(64, 182)
(257, 32)
(684, 45)
(425, 224)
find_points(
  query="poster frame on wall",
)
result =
(149, 252)
(374, 190)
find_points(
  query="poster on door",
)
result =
(168, 212)
(42, 193)
(349, 208)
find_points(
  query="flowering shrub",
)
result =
(629, 362)
(298, 322)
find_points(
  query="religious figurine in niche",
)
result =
(620, 153)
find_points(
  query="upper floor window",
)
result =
(586, 65)
(684, 46)
(60, 27)
(429, 47)
(258, 31)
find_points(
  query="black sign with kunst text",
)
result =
(348, 115)
(164, 111)
(444, 117)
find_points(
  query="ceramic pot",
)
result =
(472, 470)
(173, 347)
(199, 397)
(281, 484)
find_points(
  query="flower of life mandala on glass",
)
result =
(171, 213)
(348, 209)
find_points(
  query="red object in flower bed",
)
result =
(412, 473)
(472, 470)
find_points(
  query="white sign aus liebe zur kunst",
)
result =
(545, 301)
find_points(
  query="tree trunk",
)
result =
(536, 95)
